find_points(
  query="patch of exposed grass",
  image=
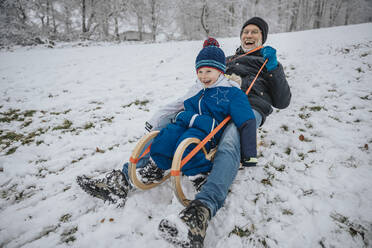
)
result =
(12, 136)
(15, 115)
(10, 115)
(137, 103)
(67, 235)
(11, 150)
(98, 150)
(266, 181)
(65, 218)
(66, 125)
(29, 113)
(284, 127)
(288, 151)
(77, 160)
(88, 125)
(317, 108)
(287, 212)
(304, 116)
(240, 232)
(109, 120)
(353, 228)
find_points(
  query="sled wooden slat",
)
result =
(176, 167)
(135, 155)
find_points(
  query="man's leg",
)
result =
(225, 167)
(258, 118)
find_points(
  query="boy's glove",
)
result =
(269, 53)
(235, 78)
(248, 162)
(148, 126)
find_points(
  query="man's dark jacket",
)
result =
(270, 89)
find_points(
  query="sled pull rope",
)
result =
(135, 160)
(210, 135)
(251, 51)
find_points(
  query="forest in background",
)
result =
(29, 22)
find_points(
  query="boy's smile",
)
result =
(208, 76)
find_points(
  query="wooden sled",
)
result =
(175, 174)
(138, 150)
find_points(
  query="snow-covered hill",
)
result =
(76, 110)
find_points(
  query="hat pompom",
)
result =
(211, 42)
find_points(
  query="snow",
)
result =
(311, 188)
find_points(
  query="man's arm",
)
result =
(280, 91)
(166, 113)
(279, 88)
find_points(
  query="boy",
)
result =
(202, 113)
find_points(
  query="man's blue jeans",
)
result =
(225, 167)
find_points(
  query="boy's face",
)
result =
(208, 76)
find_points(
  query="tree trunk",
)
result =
(334, 11)
(83, 14)
(47, 15)
(153, 19)
(319, 13)
(294, 17)
(140, 25)
(117, 36)
(203, 16)
(348, 13)
(67, 20)
(54, 30)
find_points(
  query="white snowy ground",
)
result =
(76, 110)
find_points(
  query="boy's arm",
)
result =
(166, 113)
(243, 117)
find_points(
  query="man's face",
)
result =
(208, 76)
(251, 37)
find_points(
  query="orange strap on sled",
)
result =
(135, 160)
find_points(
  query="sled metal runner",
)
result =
(178, 159)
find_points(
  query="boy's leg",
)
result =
(225, 167)
(144, 160)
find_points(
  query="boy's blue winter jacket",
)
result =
(203, 112)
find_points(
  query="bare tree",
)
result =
(320, 8)
(204, 16)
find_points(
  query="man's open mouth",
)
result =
(249, 42)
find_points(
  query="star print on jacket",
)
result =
(221, 95)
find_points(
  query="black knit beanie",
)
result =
(259, 22)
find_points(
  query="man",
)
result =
(270, 89)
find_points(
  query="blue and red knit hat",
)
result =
(211, 56)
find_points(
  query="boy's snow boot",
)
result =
(114, 187)
(193, 220)
(150, 173)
